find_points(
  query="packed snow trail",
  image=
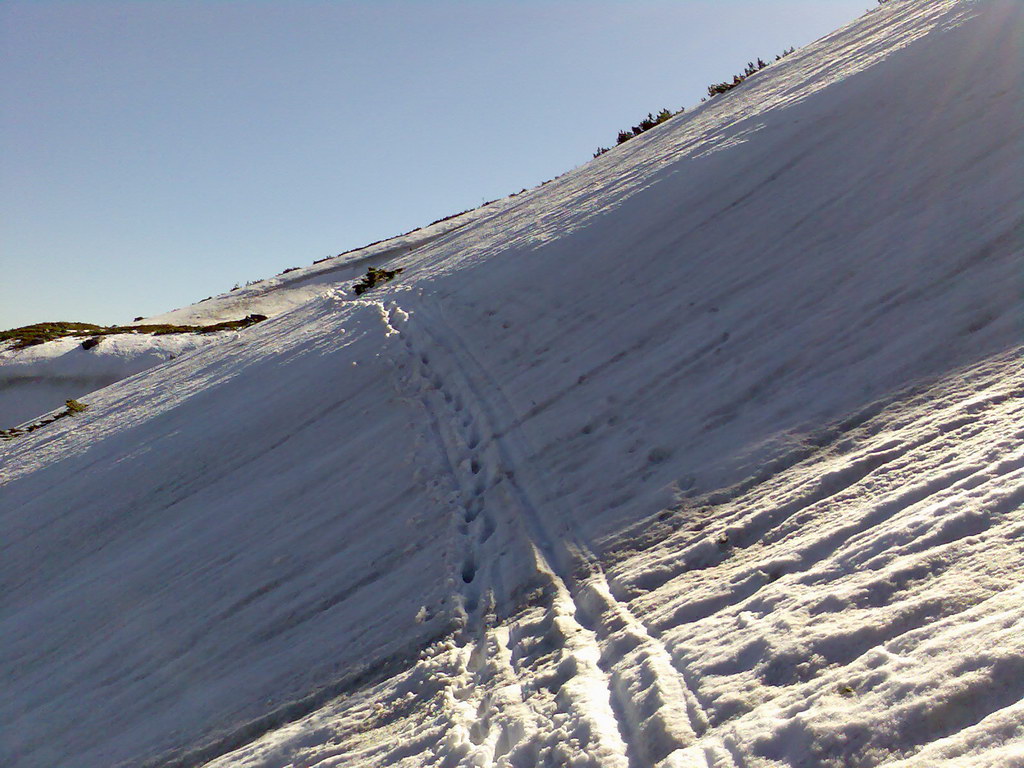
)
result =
(655, 718)
(705, 454)
(487, 488)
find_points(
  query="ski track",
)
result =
(478, 487)
(643, 692)
(483, 654)
(555, 663)
(661, 716)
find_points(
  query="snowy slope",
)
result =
(296, 286)
(37, 379)
(705, 454)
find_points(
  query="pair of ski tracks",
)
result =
(604, 647)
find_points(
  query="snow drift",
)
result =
(708, 453)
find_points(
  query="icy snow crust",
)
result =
(707, 454)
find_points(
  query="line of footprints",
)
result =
(469, 466)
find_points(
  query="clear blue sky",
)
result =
(154, 153)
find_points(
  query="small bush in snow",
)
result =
(373, 278)
(72, 408)
(718, 88)
(645, 125)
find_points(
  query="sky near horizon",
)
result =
(154, 153)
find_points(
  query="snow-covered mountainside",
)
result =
(36, 379)
(708, 454)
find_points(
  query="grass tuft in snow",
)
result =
(74, 407)
(71, 408)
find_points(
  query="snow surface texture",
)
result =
(708, 454)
